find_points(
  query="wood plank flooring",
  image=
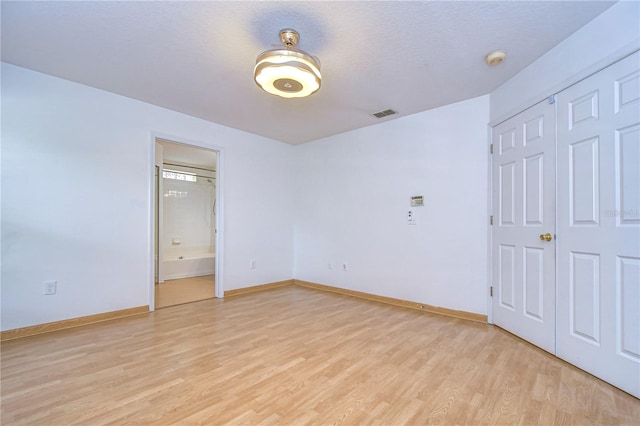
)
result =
(185, 290)
(296, 356)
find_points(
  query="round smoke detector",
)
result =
(496, 57)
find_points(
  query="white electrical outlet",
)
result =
(329, 266)
(344, 267)
(50, 287)
(252, 264)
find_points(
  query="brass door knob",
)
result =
(546, 237)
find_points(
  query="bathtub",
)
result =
(188, 264)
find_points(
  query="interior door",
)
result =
(523, 169)
(598, 314)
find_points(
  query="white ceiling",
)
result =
(198, 57)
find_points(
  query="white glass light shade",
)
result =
(287, 73)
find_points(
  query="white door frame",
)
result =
(490, 228)
(219, 244)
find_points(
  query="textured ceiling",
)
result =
(198, 57)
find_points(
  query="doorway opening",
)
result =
(186, 194)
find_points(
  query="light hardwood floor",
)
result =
(295, 356)
(185, 290)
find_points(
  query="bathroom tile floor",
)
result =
(185, 290)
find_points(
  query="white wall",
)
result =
(352, 200)
(610, 36)
(76, 207)
(76, 199)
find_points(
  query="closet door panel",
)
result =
(598, 219)
(524, 204)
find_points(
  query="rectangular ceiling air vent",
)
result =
(384, 113)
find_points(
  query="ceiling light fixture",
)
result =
(288, 72)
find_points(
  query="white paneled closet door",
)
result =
(523, 173)
(598, 162)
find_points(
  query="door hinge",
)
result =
(552, 99)
(491, 149)
(491, 220)
(491, 291)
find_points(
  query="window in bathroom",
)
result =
(172, 174)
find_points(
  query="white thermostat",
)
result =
(417, 201)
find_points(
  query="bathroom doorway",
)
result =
(185, 243)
